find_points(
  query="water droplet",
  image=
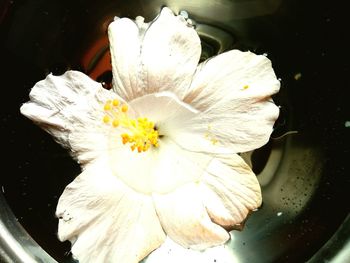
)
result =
(297, 76)
(105, 79)
(184, 14)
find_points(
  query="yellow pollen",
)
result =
(211, 136)
(246, 87)
(106, 119)
(141, 133)
(115, 103)
(107, 107)
(124, 108)
(214, 141)
(115, 123)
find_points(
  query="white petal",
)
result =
(171, 252)
(175, 167)
(105, 220)
(165, 110)
(125, 45)
(230, 191)
(70, 108)
(170, 54)
(153, 57)
(231, 77)
(233, 92)
(185, 220)
(160, 169)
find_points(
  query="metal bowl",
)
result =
(303, 170)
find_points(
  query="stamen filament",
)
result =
(143, 134)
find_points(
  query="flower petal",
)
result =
(153, 57)
(162, 168)
(230, 191)
(165, 109)
(170, 53)
(125, 46)
(185, 220)
(159, 170)
(233, 92)
(171, 252)
(231, 77)
(102, 217)
(70, 108)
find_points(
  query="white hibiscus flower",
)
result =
(158, 152)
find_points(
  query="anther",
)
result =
(115, 123)
(107, 107)
(106, 119)
(124, 108)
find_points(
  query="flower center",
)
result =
(141, 133)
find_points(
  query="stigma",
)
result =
(140, 134)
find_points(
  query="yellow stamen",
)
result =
(141, 135)
(107, 107)
(125, 138)
(246, 87)
(124, 108)
(106, 119)
(214, 141)
(115, 123)
(209, 135)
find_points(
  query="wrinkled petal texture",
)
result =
(185, 219)
(233, 92)
(105, 220)
(162, 57)
(198, 214)
(70, 108)
(125, 46)
(230, 190)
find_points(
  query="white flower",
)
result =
(159, 152)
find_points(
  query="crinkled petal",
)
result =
(185, 219)
(153, 57)
(105, 220)
(125, 37)
(233, 92)
(70, 108)
(170, 53)
(159, 169)
(230, 190)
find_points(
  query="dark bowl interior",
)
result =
(303, 170)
